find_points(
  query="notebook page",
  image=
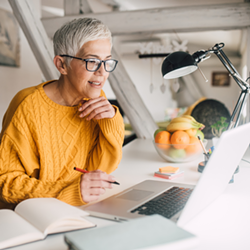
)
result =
(15, 230)
(43, 212)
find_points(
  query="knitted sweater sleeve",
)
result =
(107, 149)
(18, 165)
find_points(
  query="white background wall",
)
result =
(228, 95)
(13, 79)
(140, 73)
(28, 74)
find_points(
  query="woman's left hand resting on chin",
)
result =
(93, 185)
(97, 108)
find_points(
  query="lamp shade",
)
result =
(178, 64)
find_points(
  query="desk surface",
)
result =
(225, 224)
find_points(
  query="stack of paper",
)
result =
(168, 172)
(169, 176)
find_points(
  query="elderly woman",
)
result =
(50, 129)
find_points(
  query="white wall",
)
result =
(140, 73)
(14, 79)
(228, 95)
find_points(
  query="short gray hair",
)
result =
(74, 34)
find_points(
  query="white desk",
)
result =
(225, 224)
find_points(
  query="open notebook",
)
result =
(34, 219)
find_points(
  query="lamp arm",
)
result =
(218, 51)
(202, 55)
(232, 71)
(239, 105)
(228, 61)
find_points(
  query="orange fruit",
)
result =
(158, 130)
(194, 146)
(180, 139)
(163, 137)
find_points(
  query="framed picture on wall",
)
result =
(9, 40)
(220, 79)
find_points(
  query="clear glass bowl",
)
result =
(180, 152)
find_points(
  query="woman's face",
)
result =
(83, 82)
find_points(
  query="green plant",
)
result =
(219, 127)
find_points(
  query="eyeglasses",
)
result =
(93, 64)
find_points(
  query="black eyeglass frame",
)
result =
(99, 65)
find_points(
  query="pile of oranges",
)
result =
(179, 139)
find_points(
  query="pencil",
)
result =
(202, 145)
(85, 171)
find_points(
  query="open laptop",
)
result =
(134, 201)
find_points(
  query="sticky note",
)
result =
(168, 175)
(169, 169)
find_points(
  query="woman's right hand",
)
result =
(94, 184)
(97, 108)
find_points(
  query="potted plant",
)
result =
(217, 129)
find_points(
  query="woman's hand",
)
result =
(97, 108)
(93, 184)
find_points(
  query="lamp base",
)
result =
(201, 166)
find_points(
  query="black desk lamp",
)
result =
(180, 63)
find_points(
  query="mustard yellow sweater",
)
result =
(41, 142)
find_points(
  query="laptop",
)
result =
(142, 199)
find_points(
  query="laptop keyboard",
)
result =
(166, 204)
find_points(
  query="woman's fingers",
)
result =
(99, 176)
(97, 108)
(88, 106)
(93, 184)
(102, 112)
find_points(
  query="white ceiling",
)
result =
(232, 39)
